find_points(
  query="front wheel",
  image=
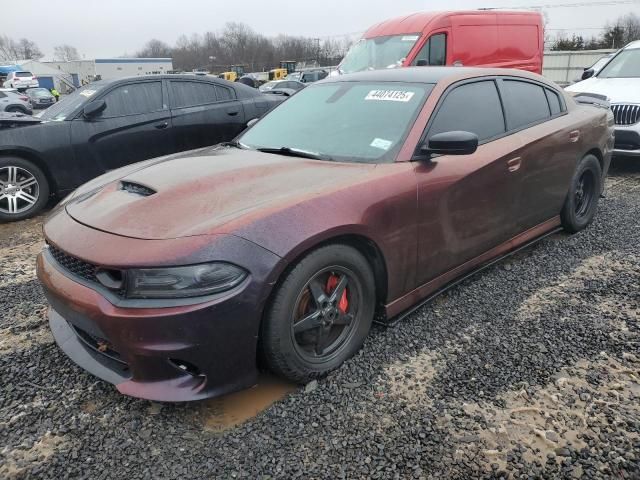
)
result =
(582, 200)
(24, 189)
(320, 314)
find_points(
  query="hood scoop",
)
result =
(136, 188)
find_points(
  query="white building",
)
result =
(128, 67)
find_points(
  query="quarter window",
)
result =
(190, 94)
(134, 99)
(433, 52)
(472, 107)
(525, 103)
(224, 93)
(554, 102)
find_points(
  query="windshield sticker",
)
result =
(389, 95)
(381, 143)
(87, 93)
(410, 38)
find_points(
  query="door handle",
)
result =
(514, 164)
(574, 136)
(162, 125)
(232, 113)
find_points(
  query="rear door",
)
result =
(466, 202)
(135, 126)
(204, 113)
(547, 157)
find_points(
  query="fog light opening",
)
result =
(185, 367)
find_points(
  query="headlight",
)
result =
(178, 282)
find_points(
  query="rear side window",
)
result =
(134, 99)
(224, 93)
(190, 94)
(434, 52)
(525, 103)
(472, 107)
(554, 102)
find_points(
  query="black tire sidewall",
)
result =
(276, 339)
(570, 221)
(42, 182)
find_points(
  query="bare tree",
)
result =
(155, 48)
(8, 49)
(28, 50)
(65, 53)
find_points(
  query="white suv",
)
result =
(21, 80)
(619, 80)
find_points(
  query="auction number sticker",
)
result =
(389, 95)
(87, 93)
(381, 143)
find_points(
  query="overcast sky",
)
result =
(109, 28)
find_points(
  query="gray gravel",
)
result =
(530, 369)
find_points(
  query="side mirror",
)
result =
(450, 143)
(421, 63)
(94, 109)
(588, 73)
(252, 122)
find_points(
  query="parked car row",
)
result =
(359, 196)
(12, 101)
(109, 124)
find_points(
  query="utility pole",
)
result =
(317, 41)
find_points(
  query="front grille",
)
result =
(87, 271)
(626, 114)
(74, 265)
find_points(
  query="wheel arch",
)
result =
(35, 159)
(362, 243)
(596, 152)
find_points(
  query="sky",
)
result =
(110, 28)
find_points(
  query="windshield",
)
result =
(624, 65)
(379, 52)
(343, 121)
(69, 103)
(39, 92)
(294, 76)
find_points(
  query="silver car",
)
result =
(13, 101)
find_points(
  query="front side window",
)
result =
(525, 103)
(472, 107)
(342, 121)
(133, 99)
(190, 94)
(624, 65)
(378, 52)
(434, 52)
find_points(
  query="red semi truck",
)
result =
(488, 38)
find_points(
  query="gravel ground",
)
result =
(530, 369)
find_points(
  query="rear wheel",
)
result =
(24, 189)
(582, 200)
(320, 315)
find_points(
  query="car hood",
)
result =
(619, 90)
(203, 193)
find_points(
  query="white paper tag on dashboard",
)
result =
(389, 95)
(381, 143)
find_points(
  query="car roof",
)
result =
(430, 74)
(632, 45)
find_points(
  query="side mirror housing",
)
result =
(588, 73)
(94, 109)
(450, 143)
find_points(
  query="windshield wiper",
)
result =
(234, 144)
(294, 152)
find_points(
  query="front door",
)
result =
(466, 202)
(134, 126)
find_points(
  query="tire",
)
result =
(338, 330)
(30, 198)
(584, 192)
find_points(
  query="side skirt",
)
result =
(397, 310)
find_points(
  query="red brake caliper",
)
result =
(332, 283)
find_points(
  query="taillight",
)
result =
(34, 78)
(24, 99)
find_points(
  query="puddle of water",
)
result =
(223, 413)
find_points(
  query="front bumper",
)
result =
(171, 353)
(627, 140)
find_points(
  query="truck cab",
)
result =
(490, 38)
